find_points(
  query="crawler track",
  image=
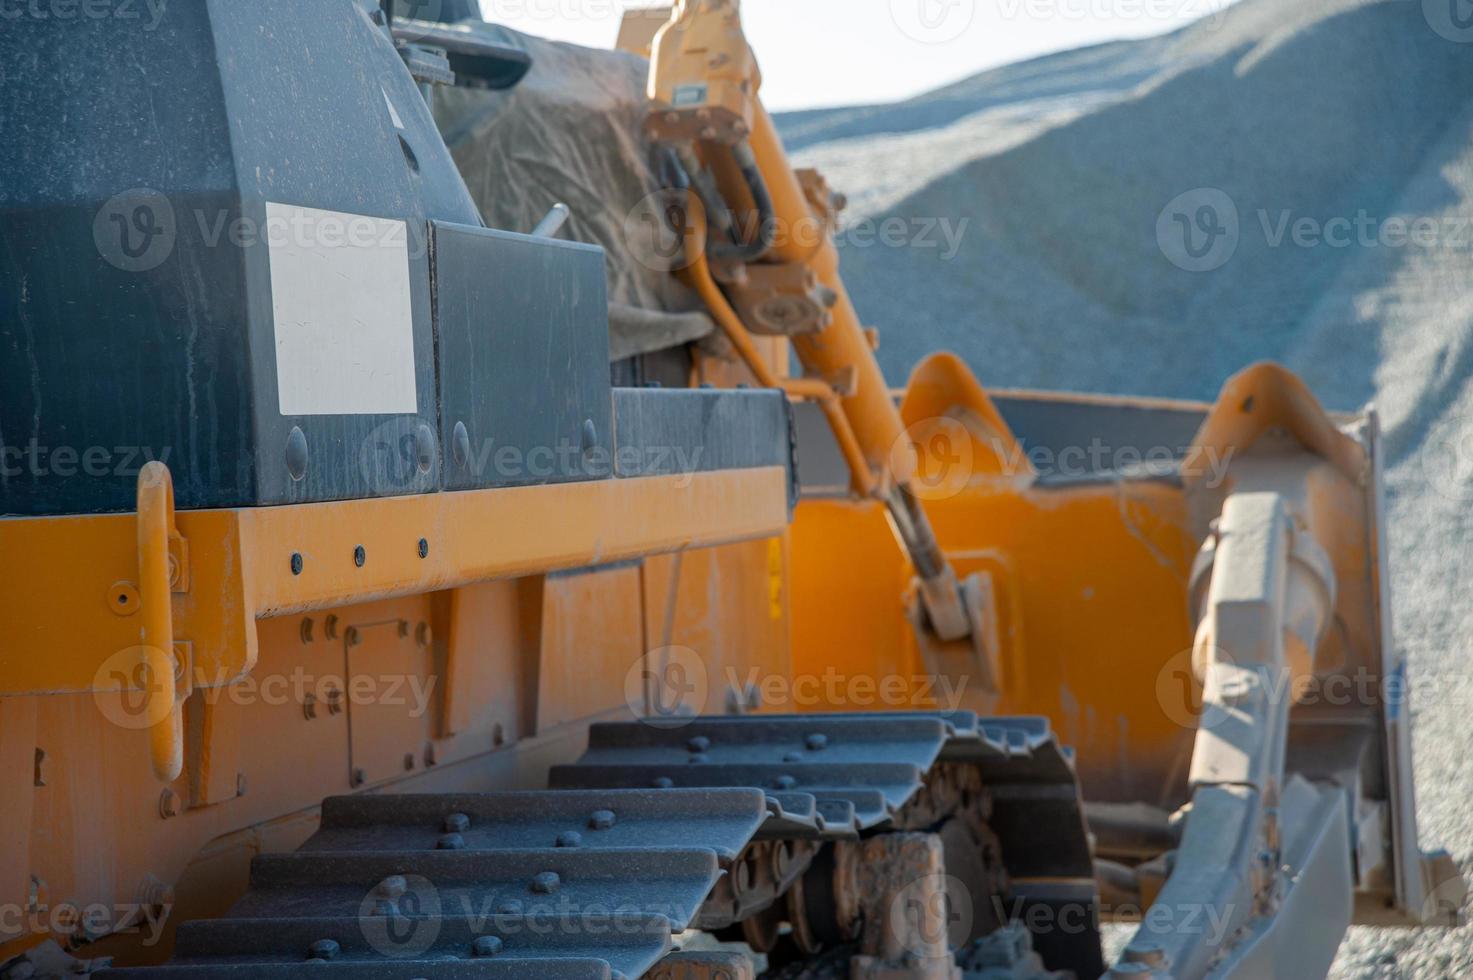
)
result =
(722, 824)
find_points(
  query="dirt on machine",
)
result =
(453, 524)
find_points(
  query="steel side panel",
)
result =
(60, 572)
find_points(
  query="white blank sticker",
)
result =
(344, 321)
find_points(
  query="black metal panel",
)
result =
(522, 325)
(135, 276)
(664, 431)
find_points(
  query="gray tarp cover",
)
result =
(572, 132)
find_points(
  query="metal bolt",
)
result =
(663, 782)
(169, 804)
(424, 548)
(424, 448)
(546, 883)
(457, 823)
(450, 842)
(353, 636)
(296, 563)
(601, 820)
(306, 630)
(698, 744)
(486, 946)
(570, 838)
(698, 758)
(784, 782)
(324, 949)
(460, 445)
(359, 556)
(793, 757)
(330, 627)
(296, 454)
(392, 887)
(816, 742)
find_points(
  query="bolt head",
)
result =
(324, 949)
(486, 946)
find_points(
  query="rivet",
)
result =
(546, 883)
(457, 823)
(784, 782)
(296, 454)
(460, 445)
(392, 887)
(424, 448)
(324, 949)
(817, 742)
(360, 776)
(570, 838)
(663, 782)
(590, 436)
(296, 563)
(601, 820)
(360, 556)
(450, 842)
(698, 744)
(486, 946)
(305, 630)
(409, 762)
(423, 636)
(330, 627)
(168, 804)
(424, 548)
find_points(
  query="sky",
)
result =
(851, 52)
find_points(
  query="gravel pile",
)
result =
(1286, 180)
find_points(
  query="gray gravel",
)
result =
(1069, 277)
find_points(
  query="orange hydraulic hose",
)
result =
(698, 275)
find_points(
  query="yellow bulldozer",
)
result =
(416, 589)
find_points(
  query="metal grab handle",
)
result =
(155, 527)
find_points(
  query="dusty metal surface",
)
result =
(595, 878)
